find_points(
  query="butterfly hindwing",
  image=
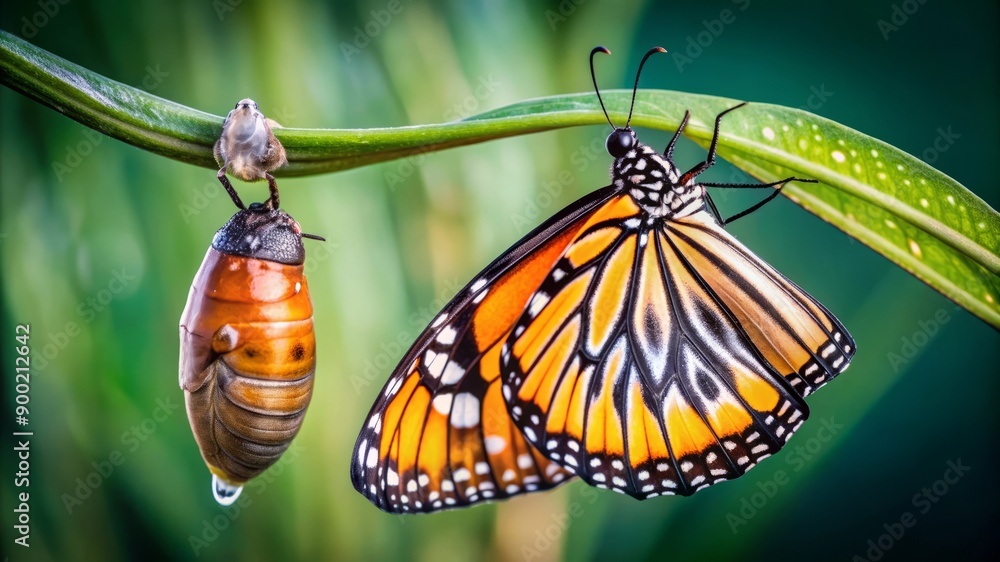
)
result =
(638, 368)
(439, 434)
(797, 335)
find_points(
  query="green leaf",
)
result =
(914, 215)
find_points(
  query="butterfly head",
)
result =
(621, 141)
(650, 178)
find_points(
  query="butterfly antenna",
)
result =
(593, 77)
(635, 88)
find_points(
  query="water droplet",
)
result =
(224, 492)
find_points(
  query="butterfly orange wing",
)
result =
(662, 356)
(439, 434)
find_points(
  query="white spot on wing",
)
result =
(447, 336)
(524, 461)
(436, 363)
(465, 410)
(538, 302)
(452, 373)
(494, 444)
(442, 403)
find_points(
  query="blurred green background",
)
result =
(78, 211)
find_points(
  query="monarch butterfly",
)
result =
(628, 340)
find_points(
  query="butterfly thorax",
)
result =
(652, 181)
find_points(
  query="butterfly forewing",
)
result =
(439, 434)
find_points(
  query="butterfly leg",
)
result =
(714, 209)
(272, 185)
(778, 184)
(669, 151)
(710, 160)
(229, 188)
